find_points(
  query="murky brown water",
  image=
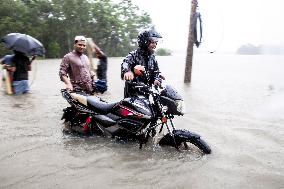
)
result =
(236, 103)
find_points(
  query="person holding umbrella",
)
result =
(18, 65)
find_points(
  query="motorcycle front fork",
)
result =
(170, 131)
(152, 129)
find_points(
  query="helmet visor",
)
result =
(154, 39)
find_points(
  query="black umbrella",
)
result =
(23, 43)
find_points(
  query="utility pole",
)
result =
(190, 43)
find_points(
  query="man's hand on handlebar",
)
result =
(157, 82)
(128, 76)
(69, 87)
(139, 70)
(162, 77)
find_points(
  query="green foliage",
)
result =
(114, 27)
(163, 52)
(53, 50)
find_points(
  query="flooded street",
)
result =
(236, 103)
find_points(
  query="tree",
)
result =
(56, 22)
(53, 50)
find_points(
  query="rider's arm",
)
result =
(157, 78)
(126, 67)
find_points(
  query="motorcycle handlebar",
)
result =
(137, 84)
(144, 88)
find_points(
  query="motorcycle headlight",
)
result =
(180, 106)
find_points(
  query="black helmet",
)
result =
(146, 36)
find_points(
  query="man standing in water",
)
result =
(18, 67)
(101, 69)
(75, 69)
(140, 60)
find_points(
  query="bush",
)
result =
(163, 52)
(53, 50)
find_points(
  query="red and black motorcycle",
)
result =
(140, 117)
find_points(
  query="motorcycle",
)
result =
(137, 118)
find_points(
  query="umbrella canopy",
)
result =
(23, 43)
(7, 59)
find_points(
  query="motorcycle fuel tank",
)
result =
(138, 106)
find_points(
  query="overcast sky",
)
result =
(227, 24)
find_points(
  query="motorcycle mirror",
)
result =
(162, 77)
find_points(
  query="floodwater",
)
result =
(236, 103)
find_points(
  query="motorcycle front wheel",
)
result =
(182, 137)
(202, 145)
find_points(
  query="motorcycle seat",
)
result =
(99, 106)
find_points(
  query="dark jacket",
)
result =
(140, 57)
(102, 67)
(21, 62)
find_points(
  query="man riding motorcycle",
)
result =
(140, 60)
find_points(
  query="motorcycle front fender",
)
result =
(183, 136)
(179, 137)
